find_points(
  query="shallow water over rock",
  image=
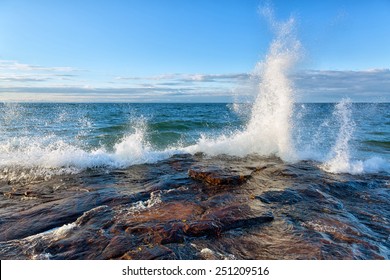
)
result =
(198, 207)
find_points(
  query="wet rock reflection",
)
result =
(195, 207)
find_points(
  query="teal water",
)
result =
(94, 126)
(76, 177)
(75, 137)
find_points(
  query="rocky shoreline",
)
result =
(197, 207)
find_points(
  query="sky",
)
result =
(187, 50)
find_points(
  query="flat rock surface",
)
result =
(194, 207)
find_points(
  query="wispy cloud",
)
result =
(23, 78)
(326, 85)
(190, 77)
(22, 82)
(215, 77)
(134, 94)
(83, 90)
(150, 78)
(20, 74)
(17, 66)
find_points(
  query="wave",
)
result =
(382, 144)
(44, 157)
(267, 132)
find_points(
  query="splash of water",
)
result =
(268, 131)
(271, 120)
(340, 159)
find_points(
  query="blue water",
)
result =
(91, 126)
(74, 160)
(371, 128)
(74, 137)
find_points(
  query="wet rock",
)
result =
(160, 233)
(163, 223)
(157, 252)
(173, 222)
(237, 216)
(118, 246)
(171, 211)
(51, 214)
(283, 197)
(332, 252)
(100, 216)
(78, 245)
(208, 254)
(168, 233)
(203, 228)
(42, 218)
(217, 177)
(219, 200)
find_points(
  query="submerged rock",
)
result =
(237, 216)
(284, 197)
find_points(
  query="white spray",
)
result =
(272, 111)
(340, 160)
(268, 131)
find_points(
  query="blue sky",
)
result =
(187, 50)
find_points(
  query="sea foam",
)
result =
(30, 158)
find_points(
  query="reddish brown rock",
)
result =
(118, 246)
(217, 177)
(236, 216)
(168, 233)
(171, 211)
(149, 252)
(161, 211)
(203, 228)
(159, 233)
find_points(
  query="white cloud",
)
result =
(11, 65)
(134, 94)
(183, 78)
(371, 85)
(19, 74)
(20, 82)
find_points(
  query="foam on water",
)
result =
(30, 158)
(155, 198)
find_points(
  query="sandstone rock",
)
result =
(237, 216)
(118, 246)
(217, 177)
(144, 252)
(203, 228)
